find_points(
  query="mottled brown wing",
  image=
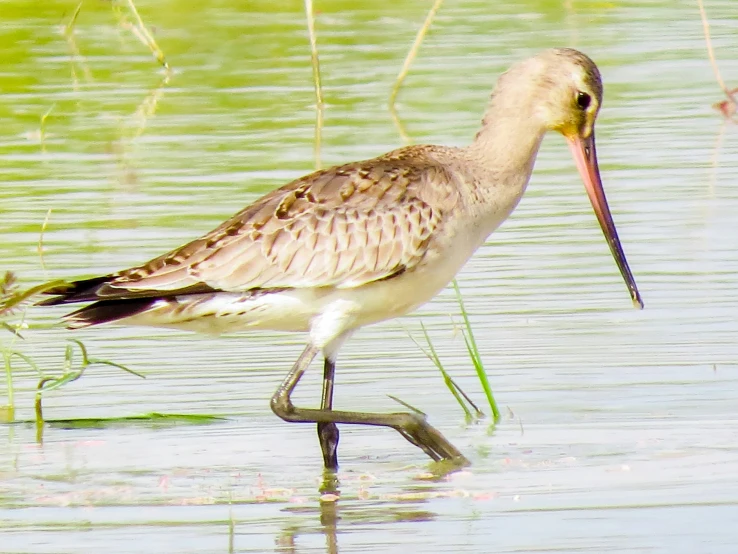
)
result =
(343, 227)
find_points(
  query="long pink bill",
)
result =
(585, 156)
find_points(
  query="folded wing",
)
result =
(341, 227)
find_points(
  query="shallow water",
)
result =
(620, 428)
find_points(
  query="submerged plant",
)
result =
(12, 298)
(69, 373)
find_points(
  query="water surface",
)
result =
(620, 428)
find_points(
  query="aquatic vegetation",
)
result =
(13, 302)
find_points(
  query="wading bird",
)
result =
(363, 242)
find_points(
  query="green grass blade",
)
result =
(9, 381)
(432, 355)
(12, 329)
(151, 420)
(58, 382)
(83, 350)
(86, 360)
(119, 366)
(26, 359)
(471, 346)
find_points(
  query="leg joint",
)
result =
(282, 406)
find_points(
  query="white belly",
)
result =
(326, 313)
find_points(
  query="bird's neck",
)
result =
(503, 154)
(507, 144)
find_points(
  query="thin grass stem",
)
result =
(407, 405)
(9, 383)
(711, 54)
(144, 36)
(68, 33)
(40, 245)
(455, 390)
(315, 63)
(409, 58)
(42, 128)
(69, 27)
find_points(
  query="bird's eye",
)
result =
(583, 100)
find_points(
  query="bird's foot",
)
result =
(426, 437)
(328, 436)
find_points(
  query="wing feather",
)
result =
(341, 227)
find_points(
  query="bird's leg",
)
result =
(281, 402)
(328, 431)
(412, 426)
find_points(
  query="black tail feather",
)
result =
(77, 291)
(104, 288)
(111, 302)
(101, 311)
(106, 311)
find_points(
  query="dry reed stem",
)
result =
(68, 33)
(69, 27)
(727, 110)
(147, 108)
(129, 133)
(42, 128)
(315, 62)
(411, 55)
(148, 40)
(40, 245)
(141, 32)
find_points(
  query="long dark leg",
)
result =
(411, 426)
(328, 432)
